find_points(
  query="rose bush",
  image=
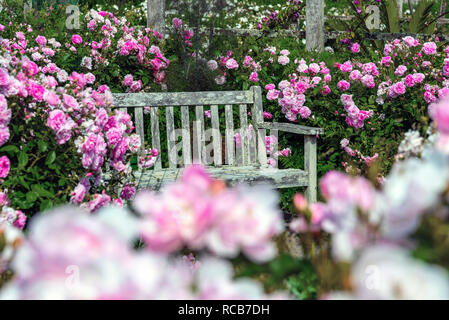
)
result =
(58, 132)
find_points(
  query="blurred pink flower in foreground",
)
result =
(70, 254)
(200, 212)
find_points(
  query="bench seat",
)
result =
(285, 178)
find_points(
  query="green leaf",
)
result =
(42, 145)
(45, 205)
(23, 159)
(62, 182)
(10, 148)
(41, 191)
(23, 182)
(50, 158)
(31, 196)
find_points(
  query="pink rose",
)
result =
(70, 102)
(56, 119)
(305, 112)
(400, 70)
(346, 67)
(283, 60)
(4, 135)
(440, 114)
(343, 85)
(409, 80)
(177, 23)
(4, 77)
(5, 166)
(20, 221)
(272, 94)
(267, 115)
(254, 77)
(37, 91)
(232, 64)
(41, 40)
(30, 67)
(4, 201)
(128, 81)
(355, 48)
(52, 98)
(399, 88)
(76, 39)
(429, 48)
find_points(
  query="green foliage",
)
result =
(304, 285)
(284, 272)
(43, 173)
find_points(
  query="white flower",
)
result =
(385, 272)
(412, 143)
(412, 187)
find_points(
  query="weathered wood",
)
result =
(230, 149)
(257, 116)
(156, 14)
(252, 168)
(186, 151)
(315, 25)
(292, 128)
(171, 139)
(286, 178)
(244, 133)
(159, 99)
(310, 163)
(216, 135)
(123, 109)
(138, 114)
(400, 7)
(199, 148)
(155, 135)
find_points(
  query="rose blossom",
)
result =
(4, 166)
(76, 39)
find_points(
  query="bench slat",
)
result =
(244, 149)
(310, 166)
(171, 139)
(252, 145)
(292, 128)
(230, 149)
(216, 135)
(199, 154)
(155, 135)
(182, 98)
(186, 151)
(138, 113)
(257, 116)
(286, 178)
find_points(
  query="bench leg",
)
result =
(310, 164)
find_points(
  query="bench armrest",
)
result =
(290, 127)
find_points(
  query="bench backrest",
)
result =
(195, 135)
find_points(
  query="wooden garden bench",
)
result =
(244, 162)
